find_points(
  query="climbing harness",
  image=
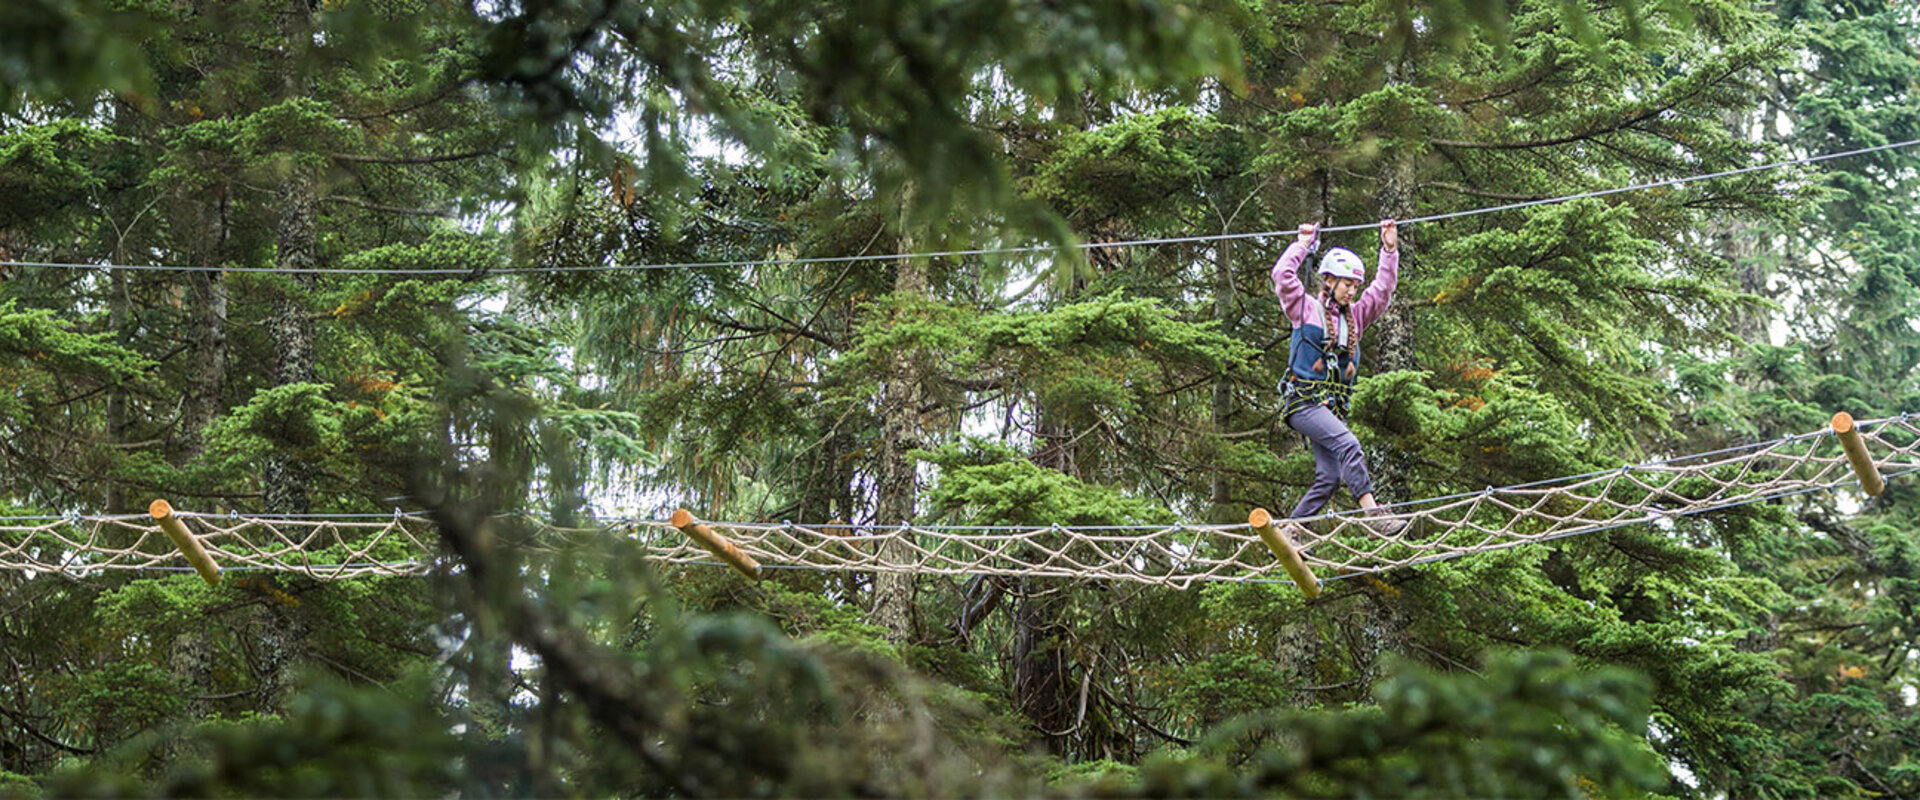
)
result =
(1297, 393)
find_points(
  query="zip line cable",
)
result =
(980, 251)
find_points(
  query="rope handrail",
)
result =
(1176, 554)
(978, 251)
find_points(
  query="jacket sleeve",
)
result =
(1379, 294)
(1287, 285)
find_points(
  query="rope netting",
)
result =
(1179, 555)
(327, 548)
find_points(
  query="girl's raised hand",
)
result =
(1389, 234)
(1307, 230)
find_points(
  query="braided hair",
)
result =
(1328, 311)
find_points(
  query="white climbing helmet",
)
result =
(1342, 263)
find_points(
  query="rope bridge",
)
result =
(1179, 555)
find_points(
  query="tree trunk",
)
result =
(1041, 668)
(287, 476)
(117, 314)
(1378, 627)
(278, 630)
(1223, 295)
(979, 597)
(564, 484)
(193, 661)
(1042, 690)
(1390, 345)
(893, 592)
(207, 361)
(1738, 241)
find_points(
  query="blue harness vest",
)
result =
(1305, 387)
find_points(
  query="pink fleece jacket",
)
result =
(1304, 309)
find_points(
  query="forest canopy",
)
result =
(511, 282)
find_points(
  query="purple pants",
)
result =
(1336, 459)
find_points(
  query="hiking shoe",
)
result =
(1382, 526)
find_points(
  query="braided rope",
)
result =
(1178, 555)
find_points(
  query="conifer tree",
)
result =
(1764, 650)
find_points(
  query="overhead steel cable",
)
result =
(977, 251)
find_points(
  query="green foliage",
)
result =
(1141, 167)
(1566, 300)
(293, 415)
(1082, 360)
(155, 607)
(1477, 421)
(1765, 649)
(67, 49)
(981, 482)
(1226, 685)
(345, 432)
(119, 697)
(17, 786)
(1535, 725)
(31, 336)
(334, 741)
(47, 168)
(44, 360)
(890, 82)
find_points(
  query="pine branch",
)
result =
(21, 719)
(372, 206)
(436, 159)
(790, 329)
(1468, 190)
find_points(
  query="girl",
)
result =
(1324, 358)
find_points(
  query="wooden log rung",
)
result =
(1290, 557)
(1863, 467)
(715, 543)
(162, 512)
